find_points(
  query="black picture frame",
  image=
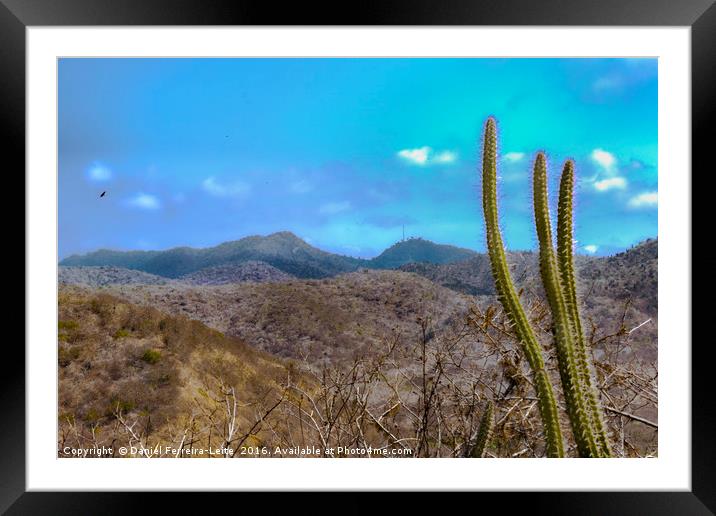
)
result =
(700, 15)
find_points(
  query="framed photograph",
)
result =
(424, 249)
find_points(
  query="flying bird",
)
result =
(102, 194)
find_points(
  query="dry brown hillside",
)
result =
(131, 374)
(334, 318)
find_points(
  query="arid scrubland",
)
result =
(382, 360)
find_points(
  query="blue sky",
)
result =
(344, 152)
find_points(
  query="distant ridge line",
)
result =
(282, 250)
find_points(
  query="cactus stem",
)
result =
(484, 431)
(572, 388)
(509, 298)
(565, 259)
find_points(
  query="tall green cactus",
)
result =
(565, 260)
(558, 278)
(509, 298)
(563, 332)
(484, 432)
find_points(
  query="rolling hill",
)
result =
(628, 274)
(332, 318)
(163, 375)
(418, 250)
(284, 250)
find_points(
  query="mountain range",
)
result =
(283, 257)
(283, 251)
(277, 307)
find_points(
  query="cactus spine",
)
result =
(566, 269)
(484, 432)
(509, 298)
(572, 387)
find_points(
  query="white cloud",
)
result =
(417, 156)
(513, 156)
(605, 159)
(610, 183)
(99, 173)
(235, 189)
(427, 156)
(444, 157)
(607, 83)
(332, 208)
(591, 248)
(379, 195)
(301, 187)
(145, 201)
(644, 199)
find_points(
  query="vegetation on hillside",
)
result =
(259, 272)
(97, 276)
(331, 319)
(632, 274)
(134, 376)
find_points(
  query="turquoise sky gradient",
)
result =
(343, 152)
